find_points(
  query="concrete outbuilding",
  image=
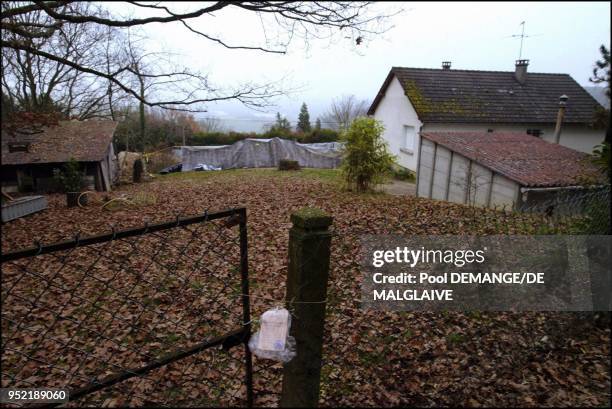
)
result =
(498, 169)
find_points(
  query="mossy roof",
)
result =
(465, 96)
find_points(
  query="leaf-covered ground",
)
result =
(370, 358)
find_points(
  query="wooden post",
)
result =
(309, 251)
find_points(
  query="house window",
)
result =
(18, 147)
(534, 132)
(409, 138)
(490, 130)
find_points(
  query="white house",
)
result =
(416, 100)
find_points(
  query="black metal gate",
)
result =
(146, 316)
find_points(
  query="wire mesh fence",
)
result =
(573, 211)
(150, 316)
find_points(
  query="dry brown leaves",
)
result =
(382, 359)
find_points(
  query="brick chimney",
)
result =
(446, 65)
(520, 72)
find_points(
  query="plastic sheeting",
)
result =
(263, 153)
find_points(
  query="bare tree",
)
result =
(343, 111)
(36, 84)
(21, 33)
(211, 124)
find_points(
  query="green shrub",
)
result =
(594, 218)
(602, 157)
(401, 173)
(366, 158)
(320, 135)
(71, 178)
(279, 133)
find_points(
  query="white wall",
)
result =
(580, 138)
(395, 111)
(425, 171)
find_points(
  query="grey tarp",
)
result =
(263, 153)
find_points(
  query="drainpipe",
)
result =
(562, 104)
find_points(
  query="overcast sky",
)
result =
(565, 38)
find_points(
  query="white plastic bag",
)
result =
(273, 341)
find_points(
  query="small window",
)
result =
(490, 130)
(18, 147)
(409, 139)
(534, 132)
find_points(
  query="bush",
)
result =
(401, 173)
(320, 135)
(71, 178)
(602, 157)
(366, 159)
(280, 133)
(285, 164)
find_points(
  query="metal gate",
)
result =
(145, 316)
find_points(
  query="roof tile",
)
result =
(526, 159)
(85, 141)
(440, 95)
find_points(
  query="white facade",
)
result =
(403, 127)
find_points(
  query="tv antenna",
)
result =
(522, 36)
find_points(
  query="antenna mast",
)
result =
(522, 36)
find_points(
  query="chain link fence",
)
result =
(145, 317)
(573, 211)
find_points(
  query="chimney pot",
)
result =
(446, 65)
(520, 72)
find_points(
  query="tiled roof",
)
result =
(85, 141)
(448, 95)
(526, 159)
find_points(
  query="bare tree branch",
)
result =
(44, 50)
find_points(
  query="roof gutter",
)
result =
(557, 188)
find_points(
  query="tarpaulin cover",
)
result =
(263, 153)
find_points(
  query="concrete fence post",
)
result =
(309, 253)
